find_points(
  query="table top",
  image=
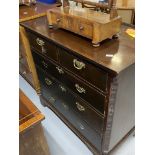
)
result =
(34, 11)
(113, 54)
(29, 114)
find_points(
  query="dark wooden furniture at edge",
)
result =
(90, 89)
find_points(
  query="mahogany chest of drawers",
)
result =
(90, 89)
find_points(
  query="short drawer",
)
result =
(85, 29)
(87, 71)
(52, 91)
(71, 24)
(66, 22)
(43, 46)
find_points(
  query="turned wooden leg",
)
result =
(96, 44)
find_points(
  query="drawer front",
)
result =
(85, 29)
(87, 71)
(46, 65)
(81, 27)
(65, 22)
(57, 19)
(71, 24)
(43, 46)
(65, 102)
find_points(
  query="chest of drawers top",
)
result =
(112, 55)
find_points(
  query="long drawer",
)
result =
(43, 46)
(93, 97)
(65, 103)
(54, 90)
(81, 68)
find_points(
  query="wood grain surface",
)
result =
(29, 115)
(29, 58)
